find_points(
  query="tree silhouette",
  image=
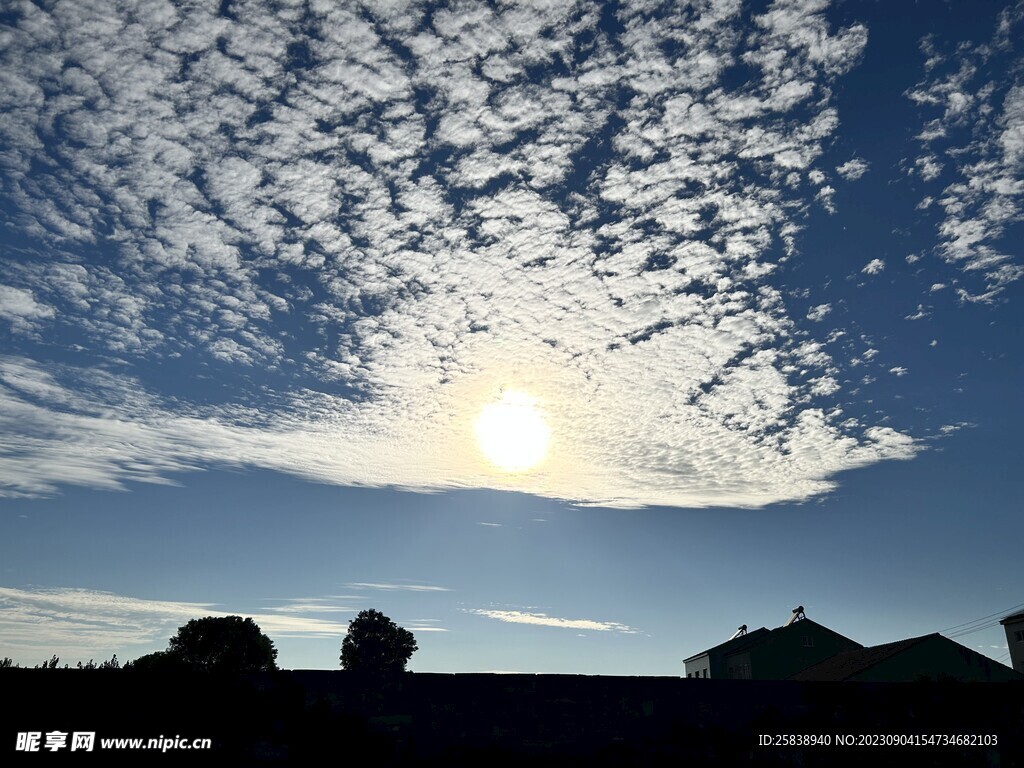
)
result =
(219, 644)
(112, 664)
(376, 644)
(158, 661)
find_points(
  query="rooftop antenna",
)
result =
(798, 614)
(739, 632)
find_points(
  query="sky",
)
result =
(752, 270)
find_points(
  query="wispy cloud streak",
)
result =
(543, 620)
(402, 587)
(79, 623)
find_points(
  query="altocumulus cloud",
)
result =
(397, 210)
(974, 104)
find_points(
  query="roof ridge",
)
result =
(870, 654)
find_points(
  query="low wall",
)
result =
(546, 719)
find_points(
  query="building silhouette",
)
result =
(804, 650)
(929, 657)
(1014, 628)
(770, 654)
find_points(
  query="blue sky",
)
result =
(755, 266)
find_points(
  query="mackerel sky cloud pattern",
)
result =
(367, 220)
(973, 105)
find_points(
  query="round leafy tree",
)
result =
(222, 644)
(376, 644)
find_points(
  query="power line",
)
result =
(1004, 612)
(965, 632)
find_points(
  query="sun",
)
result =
(512, 433)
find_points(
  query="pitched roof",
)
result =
(803, 624)
(1014, 617)
(735, 644)
(848, 664)
(759, 636)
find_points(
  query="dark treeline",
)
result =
(54, 663)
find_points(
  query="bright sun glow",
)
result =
(512, 433)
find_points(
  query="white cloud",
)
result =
(948, 429)
(311, 605)
(81, 624)
(898, 370)
(853, 169)
(20, 308)
(422, 625)
(543, 620)
(402, 236)
(403, 587)
(928, 167)
(825, 197)
(873, 267)
(978, 131)
(819, 312)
